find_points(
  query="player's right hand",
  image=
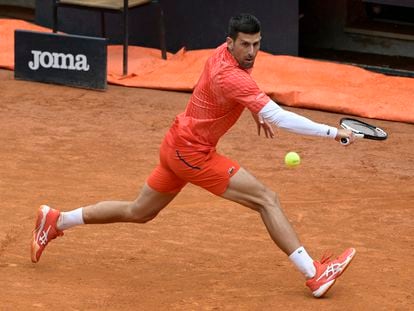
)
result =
(345, 134)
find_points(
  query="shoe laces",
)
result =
(326, 257)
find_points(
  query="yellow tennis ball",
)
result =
(292, 159)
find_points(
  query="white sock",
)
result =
(70, 219)
(303, 262)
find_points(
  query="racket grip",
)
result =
(344, 141)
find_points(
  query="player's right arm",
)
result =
(295, 123)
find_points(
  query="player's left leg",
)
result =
(245, 189)
(224, 177)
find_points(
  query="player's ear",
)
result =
(230, 43)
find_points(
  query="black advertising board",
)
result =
(71, 60)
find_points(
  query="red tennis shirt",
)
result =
(219, 98)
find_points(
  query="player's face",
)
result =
(244, 49)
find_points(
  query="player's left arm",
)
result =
(236, 85)
(262, 124)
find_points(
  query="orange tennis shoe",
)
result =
(327, 271)
(45, 230)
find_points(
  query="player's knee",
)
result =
(263, 200)
(269, 201)
(138, 215)
(142, 219)
(147, 218)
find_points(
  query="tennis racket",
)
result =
(362, 130)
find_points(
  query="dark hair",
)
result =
(245, 23)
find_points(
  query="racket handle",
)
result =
(344, 141)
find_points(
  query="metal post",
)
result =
(55, 5)
(103, 27)
(125, 61)
(162, 33)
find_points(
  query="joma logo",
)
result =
(54, 60)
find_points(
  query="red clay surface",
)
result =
(70, 147)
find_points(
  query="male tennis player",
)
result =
(188, 155)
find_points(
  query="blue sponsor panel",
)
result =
(71, 60)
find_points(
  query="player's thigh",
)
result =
(161, 187)
(164, 180)
(247, 190)
(211, 171)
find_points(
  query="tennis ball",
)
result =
(292, 159)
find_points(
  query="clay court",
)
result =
(70, 147)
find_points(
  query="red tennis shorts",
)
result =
(210, 171)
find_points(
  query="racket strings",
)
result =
(365, 129)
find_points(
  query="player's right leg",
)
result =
(44, 231)
(161, 188)
(50, 222)
(146, 207)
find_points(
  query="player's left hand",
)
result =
(263, 124)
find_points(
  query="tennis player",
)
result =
(188, 155)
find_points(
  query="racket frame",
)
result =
(359, 134)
